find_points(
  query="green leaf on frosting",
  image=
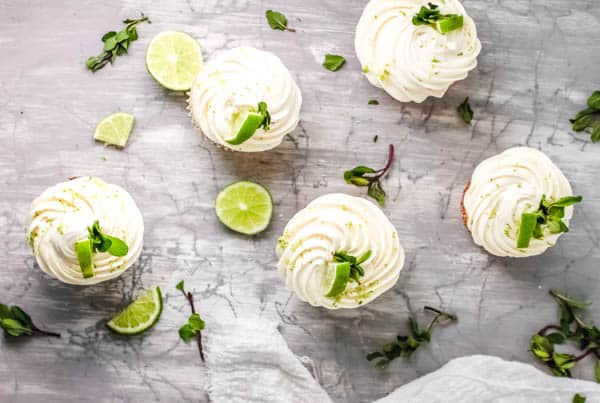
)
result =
(443, 23)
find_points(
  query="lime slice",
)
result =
(174, 60)
(140, 315)
(115, 129)
(83, 249)
(528, 224)
(248, 128)
(450, 23)
(244, 207)
(336, 278)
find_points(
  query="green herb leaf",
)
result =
(431, 16)
(20, 315)
(277, 20)
(556, 338)
(115, 44)
(180, 286)
(187, 333)
(14, 328)
(117, 246)
(465, 111)
(5, 311)
(356, 271)
(373, 102)
(579, 398)
(333, 62)
(595, 137)
(569, 301)
(196, 322)
(597, 371)
(262, 109)
(376, 192)
(594, 100)
(16, 322)
(567, 201)
(582, 123)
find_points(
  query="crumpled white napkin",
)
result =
(249, 361)
(487, 379)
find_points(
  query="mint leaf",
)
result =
(465, 111)
(366, 176)
(14, 328)
(20, 315)
(5, 311)
(278, 21)
(594, 100)
(376, 192)
(431, 16)
(262, 109)
(187, 333)
(579, 398)
(180, 286)
(333, 62)
(373, 102)
(196, 322)
(117, 246)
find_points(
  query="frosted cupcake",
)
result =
(245, 99)
(85, 231)
(339, 252)
(414, 49)
(518, 203)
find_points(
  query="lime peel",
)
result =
(140, 315)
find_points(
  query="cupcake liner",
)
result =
(462, 206)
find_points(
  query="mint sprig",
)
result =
(588, 119)
(366, 176)
(549, 216)
(573, 328)
(16, 322)
(432, 16)
(116, 44)
(405, 346)
(356, 271)
(195, 325)
(97, 241)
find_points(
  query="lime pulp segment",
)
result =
(174, 59)
(115, 129)
(140, 315)
(244, 207)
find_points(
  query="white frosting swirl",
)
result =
(60, 217)
(413, 62)
(505, 186)
(232, 84)
(332, 223)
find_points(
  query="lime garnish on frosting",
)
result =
(254, 120)
(84, 252)
(244, 207)
(443, 23)
(528, 223)
(115, 129)
(336, 278)
(140, 315)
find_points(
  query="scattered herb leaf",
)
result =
(16, 322)
(588, 119)
(375, 138)
(572, 328)
(262, 109)
(373, 102)
(195, 325)
(116, 44)
(465, 111)
(443, 23)
(365, 176)
(579, 398)
(333, 62)
(548, 216)
(405, 346)
(277, 20)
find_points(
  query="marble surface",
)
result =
(538, 65)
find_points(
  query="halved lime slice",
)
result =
(248, 128)
(83, 249)
(244, 207)
(336, 278)
(174, 59)
(450, 23)
(140, 315)
(115, 129)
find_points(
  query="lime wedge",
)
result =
(249, 127)
(244, 207)
(115, 129)
(174, 59)
(336, 278)
(83, 249)
(140, 315)
(450, 23)
(528, 224)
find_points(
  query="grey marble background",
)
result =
(539, 63)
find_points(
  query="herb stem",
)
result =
(545, 329)
(583, 355)
(45, 332)
(190, 298)
(383, 171)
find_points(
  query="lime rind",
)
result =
(83, 249)
(115, 129)
(140, 315)
(336, 278)
(245, 207)
(174, 59)
(250, 125)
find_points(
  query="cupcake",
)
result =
(237, 85)
(414, 49)
(339, 252)
(85, 231)
(517, 203)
